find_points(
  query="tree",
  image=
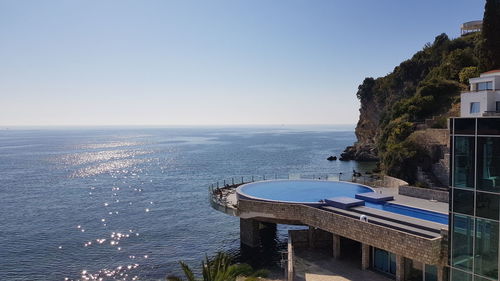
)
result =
(467, 73)
(220, 268)
(490, 41)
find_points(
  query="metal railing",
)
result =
(220, 191)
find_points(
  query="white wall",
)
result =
(467, 98)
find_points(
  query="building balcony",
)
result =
(491, 113)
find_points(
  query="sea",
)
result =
(129, 203)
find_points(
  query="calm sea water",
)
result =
(129, 203)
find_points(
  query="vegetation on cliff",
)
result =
(490, 39)
(426, 86)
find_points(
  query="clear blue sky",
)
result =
(119, 62)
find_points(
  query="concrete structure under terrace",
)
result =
(374, 228)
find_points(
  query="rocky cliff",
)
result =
(425, 86)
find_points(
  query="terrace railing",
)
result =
(220, 191)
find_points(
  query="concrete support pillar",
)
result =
(400, 268)
(249, 232)
(310, 238)
(290, 274)
(365, 256)
(336, 246)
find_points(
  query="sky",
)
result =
(206, 62)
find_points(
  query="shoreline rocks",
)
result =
(364, 153)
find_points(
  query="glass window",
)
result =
(464, 126)
(430, 273)
(477, 278)
(463, 201)
(488, 126)
(488, 164)
(450, 161)
(384, 261)
(462, 236)
(413, 270)
(486, 249)
(498, 106)
(483, 86)
(463, 162)
(457, 275)
(474, 107)
(487, 205)
(392, 263)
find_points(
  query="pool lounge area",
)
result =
(323, 193)
(397, 236)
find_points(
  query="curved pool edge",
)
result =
(242, 195)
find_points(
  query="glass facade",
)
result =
(488, 169)
(462, 242)
(384, 261)
(475, 199)
(463, 162)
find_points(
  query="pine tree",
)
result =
(490, 45)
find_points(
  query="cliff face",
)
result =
(425, 86)
(365, 149)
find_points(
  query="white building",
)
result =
(484, 96)
(471, 26)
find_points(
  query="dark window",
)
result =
(463, 162)
(413, 270)
(384, 261)
(463, 201)
(430, 273)
(486, 249)
(488, 126)
(450, 161)
(465, 126)
(462, 236)
(487, 205)
(498, 106)
(488, 164)
(457, 275)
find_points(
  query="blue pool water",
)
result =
(411, 212)
(301, 191)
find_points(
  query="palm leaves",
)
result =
(220, 268)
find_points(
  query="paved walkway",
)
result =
(311, 265)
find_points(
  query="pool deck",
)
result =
(435, 206)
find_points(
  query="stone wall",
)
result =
(422, 249)
(388, 181)
(424, 193)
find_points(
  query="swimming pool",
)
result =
(411, 212)
(312, 192)
(309, 192)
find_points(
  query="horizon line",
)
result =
(4, 127)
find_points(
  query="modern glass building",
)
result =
(475, 196)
